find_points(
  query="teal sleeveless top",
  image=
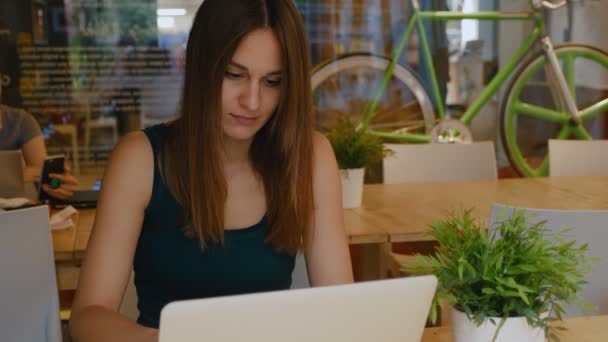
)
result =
(169, 266)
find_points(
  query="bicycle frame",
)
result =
(499, 79)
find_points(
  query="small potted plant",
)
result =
(505, 285)
(355, 149)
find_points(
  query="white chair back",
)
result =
(128, 307)
(578, 157)
(299, 277)
(590, 226)
(439, 162)
(30, 304)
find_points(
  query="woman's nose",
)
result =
(250, 97)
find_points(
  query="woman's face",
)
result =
(251, 86)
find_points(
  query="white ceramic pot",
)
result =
(352, 187)
(514, 329)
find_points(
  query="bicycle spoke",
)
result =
(581, 132)
(538, 112)
(564, 133)
(347, 82)
(543, 169)
(535, 94)
(569, 74)
(594, 110)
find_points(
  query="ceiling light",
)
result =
(171, 11)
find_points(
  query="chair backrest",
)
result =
(299, 277)
(439, 162)
(30, 304)
(11, 174)
(578, 157)
(589, 226)
(128, 307)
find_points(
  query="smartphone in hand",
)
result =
(52, 164)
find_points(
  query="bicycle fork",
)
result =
(557, 73)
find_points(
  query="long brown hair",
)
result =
(281, 152)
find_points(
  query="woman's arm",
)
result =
(126, 191)
(327, 255)
(34, 153)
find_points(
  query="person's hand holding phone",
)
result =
(67, 184)
(56, 180)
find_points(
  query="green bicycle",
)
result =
(556, 89)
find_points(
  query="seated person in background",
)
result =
(20, 131)
(220, 201)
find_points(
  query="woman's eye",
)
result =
(273, 83)
(233, 75)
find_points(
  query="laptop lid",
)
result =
(386, 310)
(11, 174)
(30, 304)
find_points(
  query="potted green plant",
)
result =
(505, 285)
(355, 149)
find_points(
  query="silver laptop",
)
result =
(11, 174)
(387, 310)
(30, 304)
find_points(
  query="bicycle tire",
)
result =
(408, 78)
(565, 126)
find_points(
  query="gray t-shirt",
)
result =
(18, 127)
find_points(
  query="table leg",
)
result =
(372, 263)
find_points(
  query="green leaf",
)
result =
(355, 148)
(487, 290)
(519, 269)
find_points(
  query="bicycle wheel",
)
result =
(343, 86)
(534, 111)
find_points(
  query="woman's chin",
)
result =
(240, 133)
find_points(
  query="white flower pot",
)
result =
(352, 187)
(514, 329)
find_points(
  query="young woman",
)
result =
(219, 201)
(20, 131)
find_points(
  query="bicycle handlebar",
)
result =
(545, 4)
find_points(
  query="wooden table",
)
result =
(580, 329)
(402, 212)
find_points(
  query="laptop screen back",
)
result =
(388, 310)
(11, 174)
(30, 305)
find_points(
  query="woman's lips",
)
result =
(244, 120)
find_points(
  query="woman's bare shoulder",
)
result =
(323, 155)
(131, 165)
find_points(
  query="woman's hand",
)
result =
(31, 174)
(69, 184)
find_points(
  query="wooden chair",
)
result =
(578, 157)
